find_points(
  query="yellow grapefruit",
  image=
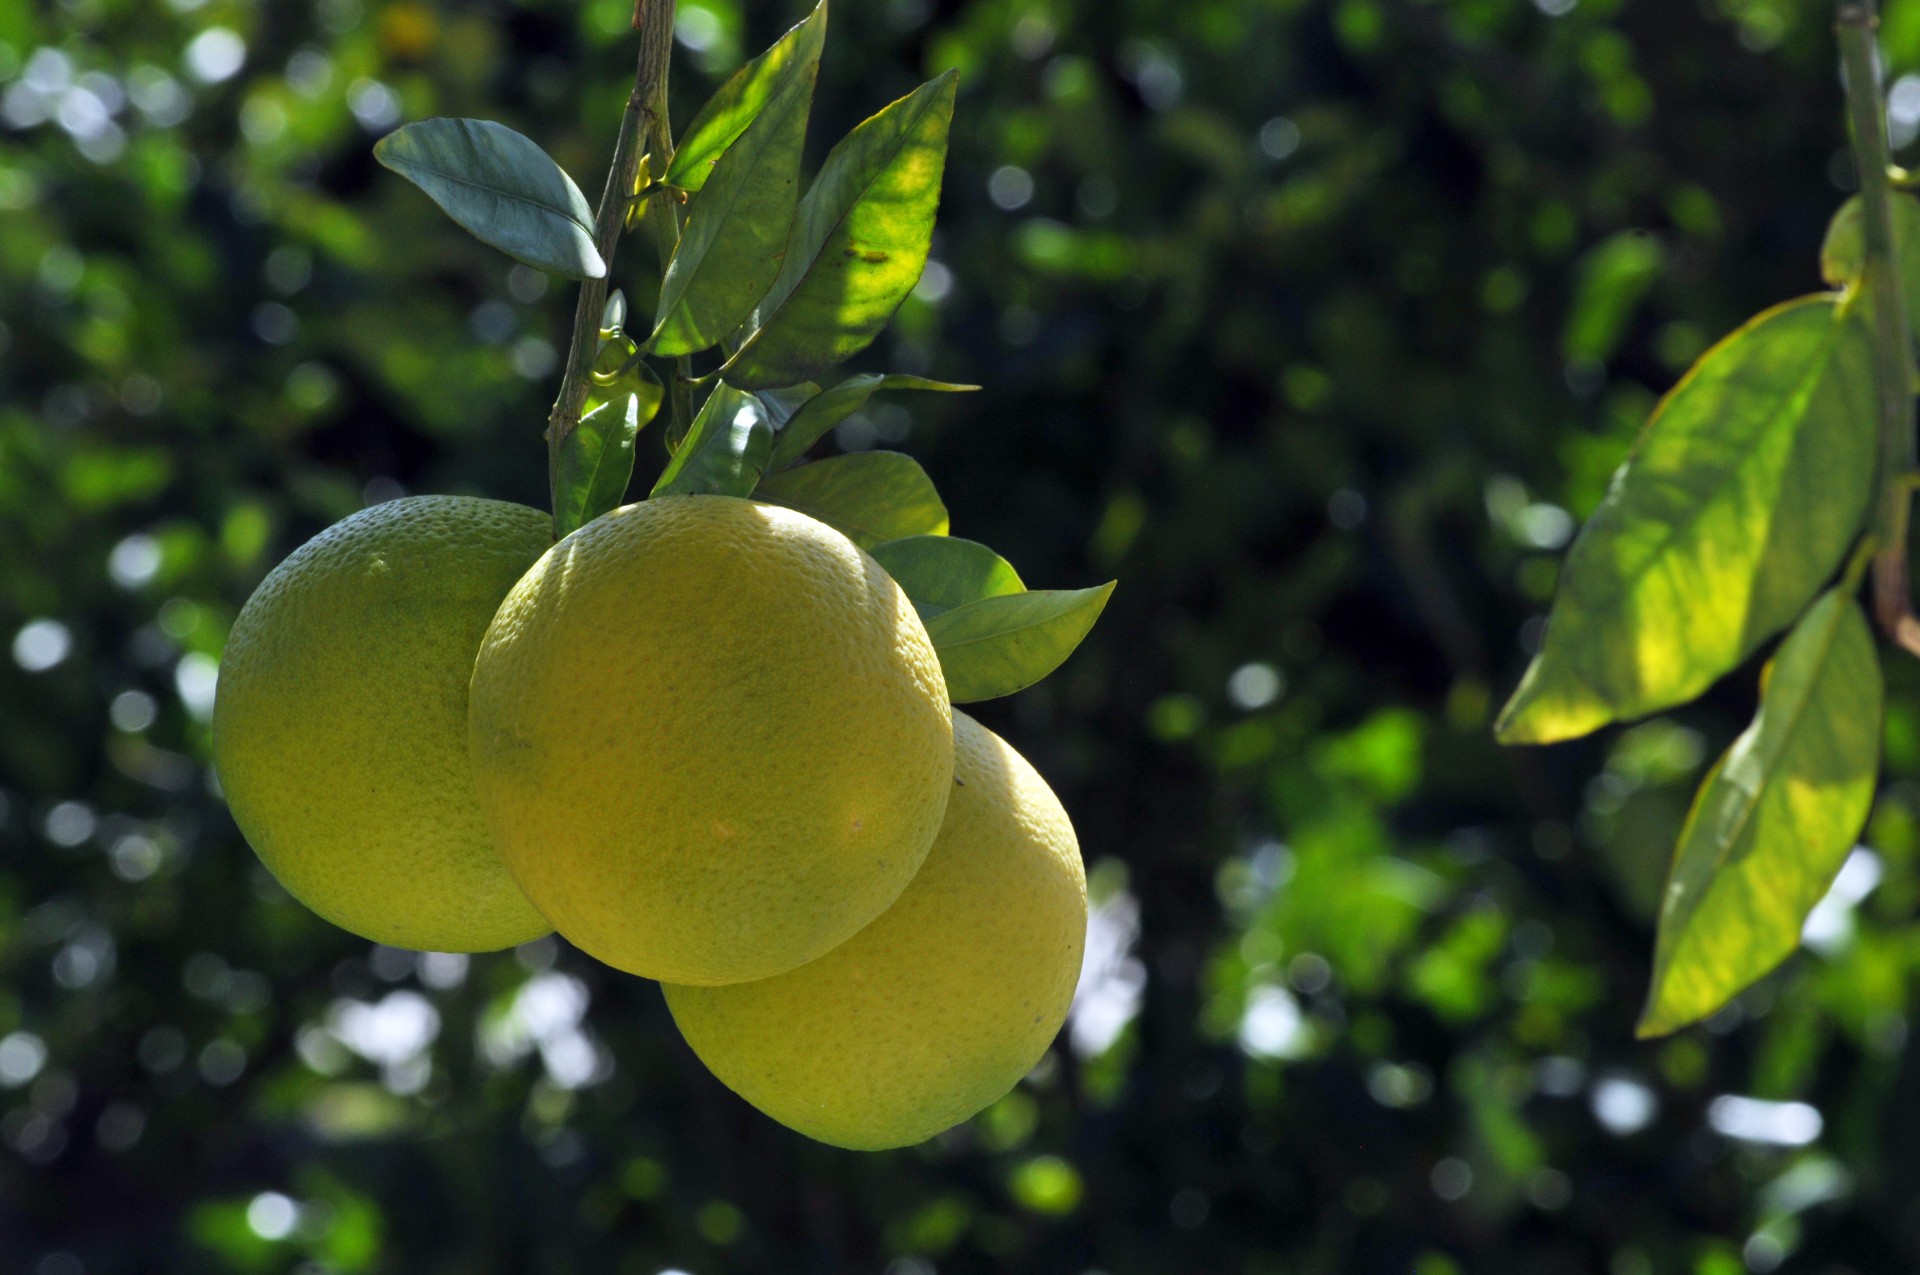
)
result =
(944, 1002)
(711, 738)
(340, 722)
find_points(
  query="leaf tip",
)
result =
(1508, 730)
(1512, 727)
(1651, 1028)
(1549, 709)
(1658, 1018)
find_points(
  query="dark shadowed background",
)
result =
(1319, 325)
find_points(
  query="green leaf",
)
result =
(735, 104)
(1735, 506)
(1000, 645)
(859, 242)
(781, 404)
(823, 411)
(502, 188)
(1774, 820)
(617, 373)
(736, 230)
(1844, 252)
(1612, 279)
(596, 462)
(725, 450)
(869, 497)
(614, 313)
(596, 459)
(939, 573)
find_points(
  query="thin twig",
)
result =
(643, 129)
(664, 216)
(1855, 24)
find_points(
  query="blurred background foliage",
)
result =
(1319, 324)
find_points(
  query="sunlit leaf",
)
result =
(1737, 503)
(870, 497)
(1774, 820)
(736, 103)
(939, 573)
(725, 450)
(502, 188)
(1000, 645)
(824, 410)
(860, 240)
(736, 229)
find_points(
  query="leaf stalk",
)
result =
(1855, 24)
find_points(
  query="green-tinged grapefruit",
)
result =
(340, 723)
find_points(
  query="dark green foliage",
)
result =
(1274, 335)
(596, 463)
(596, 460)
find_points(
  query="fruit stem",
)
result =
(1855, 24)
(643, 130)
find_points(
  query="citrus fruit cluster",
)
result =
(706, 739)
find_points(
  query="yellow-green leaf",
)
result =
(859, 242)
(730, 248)
(1000, 645)
(1738, 502)
(869, 497)
(736, 103)
(1774, 820)
(939, 573)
